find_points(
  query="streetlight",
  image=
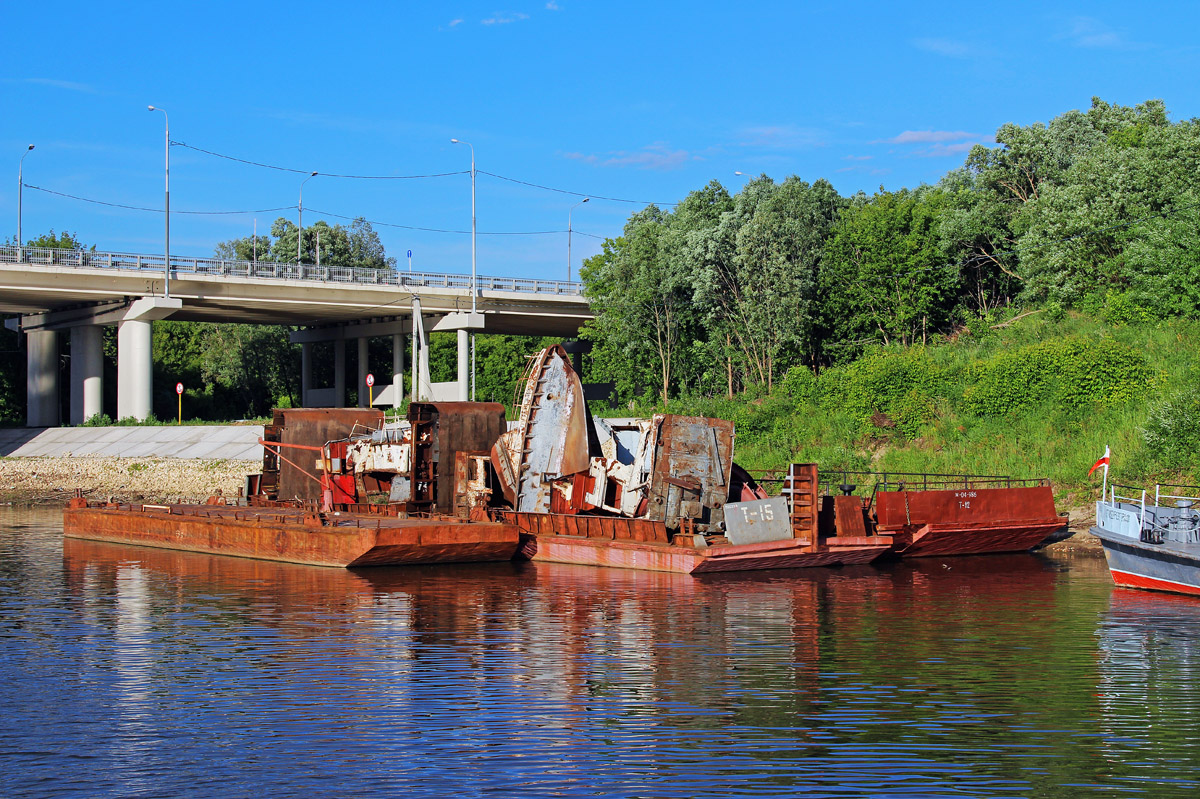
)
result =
(20, 186)
(457, 141)
(167, 214)
(573, 207)
(300, 216)
(473, 291)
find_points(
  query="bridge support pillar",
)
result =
(397, 369)
(363, 370)
(135, 355)
(464, 367)
(339, 373)
(134, 361)
(305, 372)
(41, 378)
(87, 373)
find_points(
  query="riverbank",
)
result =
(53, 481)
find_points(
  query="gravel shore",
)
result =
(51, 481)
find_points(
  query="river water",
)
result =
(129, 672)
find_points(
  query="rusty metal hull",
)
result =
(967, 521)
(958, 539)
(281, 534)
(642, 544)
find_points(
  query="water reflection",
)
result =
(141, 671)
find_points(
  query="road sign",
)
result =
(179, 388)
(410, 253)
(370, 380)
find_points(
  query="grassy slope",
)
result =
(836, 420)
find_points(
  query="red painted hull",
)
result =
(281, 534)
(1129, 580)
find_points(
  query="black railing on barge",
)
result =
(870, 483)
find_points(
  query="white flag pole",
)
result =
(1104, 488)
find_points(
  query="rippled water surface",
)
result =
(139, 672)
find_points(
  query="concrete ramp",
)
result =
(212, 442)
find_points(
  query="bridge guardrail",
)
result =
(272, 270)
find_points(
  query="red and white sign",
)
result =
(179, 388)
(1102, 462)
(370, 380)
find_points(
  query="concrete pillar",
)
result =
(87, 373)
(41, 378)
(397, 369)
(305, 372)
(363, 370)
(464, 368)
(339, 373)
(415, 361)
(134, 361)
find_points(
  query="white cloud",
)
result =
(931, 136)
(552, 6)
(503, 18)
(454, 22)
(657, 156)
(780, 137)
(857, 157)
(1091, 33)
(62, 84)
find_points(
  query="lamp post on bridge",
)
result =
(167, 208)
(473, 283)
(300, 217)
(573, 207)
(20, 186)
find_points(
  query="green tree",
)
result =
(641, 304)
(885, 276)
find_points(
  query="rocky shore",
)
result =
(52, 481)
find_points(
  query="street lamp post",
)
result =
(473, 292)
(167, 208)
(300, 216)
(573, 207)
(20, 186)
(473, 283)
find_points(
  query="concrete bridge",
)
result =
(80, 291)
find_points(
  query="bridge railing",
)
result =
(271, 270)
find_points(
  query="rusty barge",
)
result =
(313, 502)
(455, 482)
(665, 494)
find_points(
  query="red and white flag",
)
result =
(1102, 462)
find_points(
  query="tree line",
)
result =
(1096, 209)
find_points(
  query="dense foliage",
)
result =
(1097, 210)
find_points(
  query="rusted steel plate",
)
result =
(898, 509)
(757, 521)
(692, 468)
(607, 528)
(958, 539)
(457, 427)
(283, 535)
(309, 427)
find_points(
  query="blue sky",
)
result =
(633, 101)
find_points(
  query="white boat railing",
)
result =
(1170, 517)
